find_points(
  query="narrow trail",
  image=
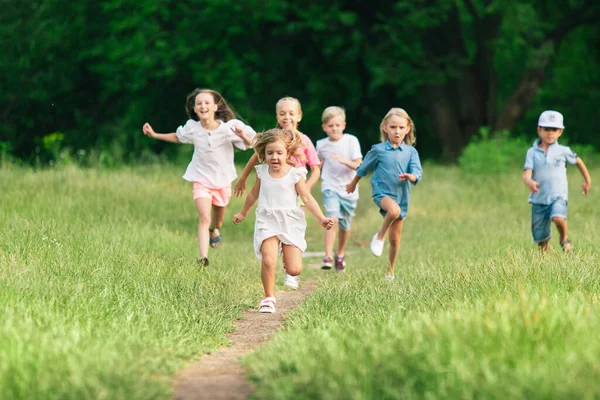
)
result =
(220, 375)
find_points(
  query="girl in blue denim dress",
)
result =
(396, 166)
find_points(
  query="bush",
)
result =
(493, 153)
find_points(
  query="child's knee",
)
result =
(269, 260)
(293, 269)
(558, 220)
(395, 211)
(204, 219)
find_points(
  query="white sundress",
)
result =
(278, 213)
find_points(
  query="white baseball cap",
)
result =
(551, 119)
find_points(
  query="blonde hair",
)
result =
(292, 141)
(332, 112)
(288, 98)
(411, 137)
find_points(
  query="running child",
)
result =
(280, 221)
(396, 166)
(288, 112)
(340, 155)
(546, 175)
(214, 131)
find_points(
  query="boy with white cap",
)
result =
(546, 175)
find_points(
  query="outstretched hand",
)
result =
(327, 223)
(239, 188)
(148, 131)
(585, 188)
(237, 218)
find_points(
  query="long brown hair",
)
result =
(224, 111)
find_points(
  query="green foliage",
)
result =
(493, 153)
(96, 71)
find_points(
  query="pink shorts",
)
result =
(220, 197)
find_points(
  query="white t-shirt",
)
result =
(335, 175)
(212, 163)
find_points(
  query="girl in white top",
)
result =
(214, 131)
(280, 221)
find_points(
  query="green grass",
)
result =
(474, 312)
(100, 296)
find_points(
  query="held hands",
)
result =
(327, 223)
(148, 131)
(239, 188)
(237, 218)
(585, 188)
(407, 177)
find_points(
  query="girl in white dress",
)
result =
(280, 221)
(214, 131)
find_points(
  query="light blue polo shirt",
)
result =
(550, 170)
(388, 162)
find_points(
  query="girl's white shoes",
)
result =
(267, 305)
(291, 281)
(376, 246)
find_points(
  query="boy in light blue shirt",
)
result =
(546, 175)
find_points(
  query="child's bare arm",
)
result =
(167, 137)
(349, 163)
(586, 175)
(312, 205)
(249, 203)
(240, 185)
(315, 173)
(533, 185)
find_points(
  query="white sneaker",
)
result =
(376, 246)
(291, 281)
(389, 277)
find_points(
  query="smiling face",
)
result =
(334, 128)
(549, 135)
(288, 114)
(205, 106)
(396, 128)
(276, 155)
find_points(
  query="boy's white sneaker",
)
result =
(291, 281)
(376, 246)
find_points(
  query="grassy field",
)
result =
(101, 298)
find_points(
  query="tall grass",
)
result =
(474, 312)
(101, 297)
(100, 294)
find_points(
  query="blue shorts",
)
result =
(340, 207)
(541, 218)
(403, 210)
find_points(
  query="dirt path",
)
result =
(219, 375)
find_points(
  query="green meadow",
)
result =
(101, 296)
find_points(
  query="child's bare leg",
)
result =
(395, 236)
(269, 250)
(203, 208)
(544, 246)
(392, 209)
(218, 214)
(292, 258)
(342, 241)
(330, 239)
(561, 225)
